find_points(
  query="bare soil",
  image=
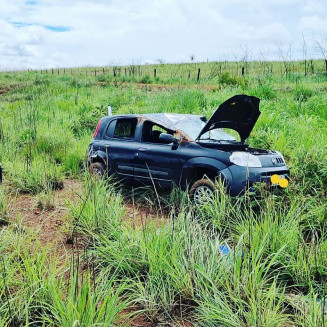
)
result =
(48, 224)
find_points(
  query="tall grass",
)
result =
(34, 289)
(166, 269)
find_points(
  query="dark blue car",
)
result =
(187, 150)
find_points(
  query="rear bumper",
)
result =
(239, 179)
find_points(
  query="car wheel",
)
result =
(202, 191)
(97, 169)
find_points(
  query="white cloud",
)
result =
(75, 32)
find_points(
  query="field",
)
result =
(80, 252)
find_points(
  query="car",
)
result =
(187, 150)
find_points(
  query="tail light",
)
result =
(97, 129)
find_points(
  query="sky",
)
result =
(70, 33)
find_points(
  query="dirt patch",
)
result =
(164, 87)
(138, 215)
(140, 319)
(5, 90)
(8, 88)
(47, 224)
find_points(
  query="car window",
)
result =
(125, 128)
(110, 128)
(151, 132)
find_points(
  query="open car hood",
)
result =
(239, 113)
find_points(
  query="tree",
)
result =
(321, 47)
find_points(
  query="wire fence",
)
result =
(192, 71)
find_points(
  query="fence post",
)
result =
(243, 70)
(64, 71)
(95, 72)
(52, 71)
(58, 71)
(198, 77)
(189, 74)
(103, 70)
(114, 70)
(326, 65)
(155, 73)
(125, 72)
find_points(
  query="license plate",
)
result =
(281, 177)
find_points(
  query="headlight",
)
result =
(245, 159)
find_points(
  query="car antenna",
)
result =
(109, 111)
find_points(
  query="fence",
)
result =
(195, 71)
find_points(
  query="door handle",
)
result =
(142, 149)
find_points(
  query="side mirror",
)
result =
(167, 138)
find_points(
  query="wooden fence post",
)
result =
(125, 72)
(155, 73)
(52, 71)
(189, 74)
(243, 70)
(64, 71)
(198, 77)
(103, 70)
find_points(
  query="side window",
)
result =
(125, 128)
(151, 132)
(110, 128)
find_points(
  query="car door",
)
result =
(156, 162)
(121, 146)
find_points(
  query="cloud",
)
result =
(76, 32)
(313, 24)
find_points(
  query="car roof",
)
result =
(169, 120)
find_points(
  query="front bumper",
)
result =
(239, 179)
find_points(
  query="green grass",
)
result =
(171, 270)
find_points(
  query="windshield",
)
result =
(193, 127)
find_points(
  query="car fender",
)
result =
(211, 164)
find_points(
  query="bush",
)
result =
(226, 79)
(302, 93)
(265, 92)
(146, 79)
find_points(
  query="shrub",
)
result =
(302, 93)
(265, 92)
(146, 79)
(227, 79)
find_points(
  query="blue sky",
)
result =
(66, 33)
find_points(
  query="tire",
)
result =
(202, 191)
(97, 169)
